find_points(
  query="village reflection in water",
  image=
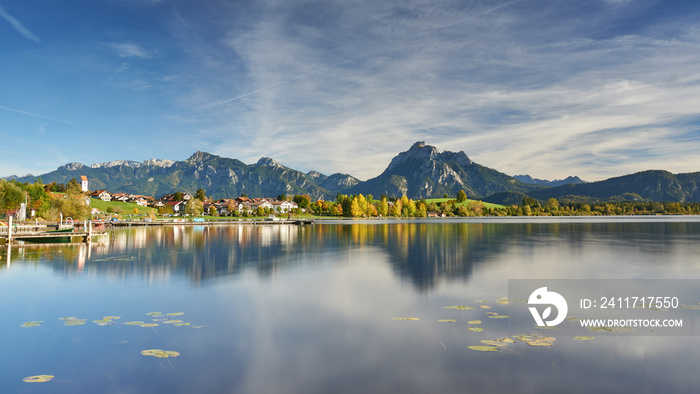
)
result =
(422, 253)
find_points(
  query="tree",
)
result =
(165, 210)
(135, 211)
(200, 195)
(11, 196)
(194, 207)
(244, 195)
(461, 196)
(177, 196)
(213, 211)
(552, 204)
(73, 187)
(302, 201)
(355, 210)
(383, 207)
(70, 206)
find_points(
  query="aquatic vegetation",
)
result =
(475, 329)
(499, 317)
(73, 321)
(183, 324)
(474, 322)
(172, 321)
(447, 321)
(690, 307)
(485, 307)
(610, 329)
(30, 324)
(584, 338)
(134, 323)
(460, 307)
(405, 318)
(160, 353)
(542, 341)
(153, 313)
(484, 348)
(148, 325)
(481, 301)
(38, 378)
(175, 313)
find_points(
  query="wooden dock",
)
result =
(39, 234)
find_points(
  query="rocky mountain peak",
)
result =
(266, 161)
(72, 166)
(418, 151)
(159, 162)
(200, 156)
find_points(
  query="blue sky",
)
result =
(550, 88)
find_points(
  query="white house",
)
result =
(284, 206)
(102, 195)
(251, 207)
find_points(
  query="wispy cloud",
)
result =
(17, 25)
(128, 49)
(35, 115)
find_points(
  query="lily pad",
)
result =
(484, 348)
(175, 313)
(491, 342)
(447, 321)
(545, 341)
(153, 313)
(499, 317)
(474, 322)
(506, 340)
(475, 329)
(460, 307)
(481, 301)
(160, 353)
(485, 307)
(38, 378)
(405, 318)
(584, 338)
(149, 325)
(134, 323)
(30, 324)
(181, 324)
(172, 321)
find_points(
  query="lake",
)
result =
(312, 309)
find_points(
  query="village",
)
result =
(176, 203)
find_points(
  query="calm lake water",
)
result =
(287, 309)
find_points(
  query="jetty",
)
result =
(29, 233)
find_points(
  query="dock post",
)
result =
(89, 226)
(9, 231)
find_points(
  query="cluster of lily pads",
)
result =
(536, 338)
(156, 317)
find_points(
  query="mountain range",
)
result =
(420, 172)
